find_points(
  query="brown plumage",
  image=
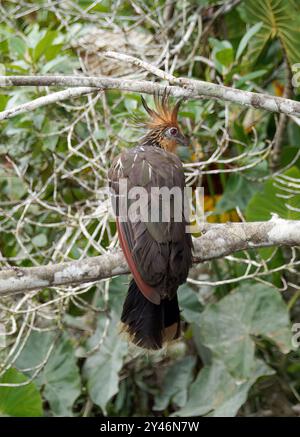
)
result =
(158, 253)
(164, 115)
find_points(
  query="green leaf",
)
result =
(40, 240)
(270, 200)
(189, 303)
(57, 64)
(246, 38)
(222, 54)
(175, 384)
(203, 351)
(219, 45)
(280, 19)
(60, 376)
(237, 192)
(13, 187)
(225, 56)
(51, 52)
(23, 401)
(249, 77)
(17, 47)
(228, 327)
(34, 35)
(216, 393)
(44, 44)
(117, 291)
(102, 368)
(3, 101)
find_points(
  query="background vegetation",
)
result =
(62, 353)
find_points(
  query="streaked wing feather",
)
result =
(161, 251)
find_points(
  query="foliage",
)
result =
(22, 400)
(279, 19)
(236, 312)
(59, 378)
(227, 329)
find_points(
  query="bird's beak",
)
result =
(182, 140)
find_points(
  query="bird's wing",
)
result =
(158, 253)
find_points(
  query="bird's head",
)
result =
(162, 124)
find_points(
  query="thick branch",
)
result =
(181, 87)
(218, 240)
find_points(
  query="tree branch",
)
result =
(218, 240)
(46, 100)
(181, 87)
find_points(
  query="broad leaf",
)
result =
(225, 56)
(216, 393)
(222, 54)
(271, 201)
(19, 401)
(175, 384)
(102, 368)
(17, 47)
(228, 327)
(60, 377)
(280, 19)
(237, 192)
(44, 44)
(189, 303)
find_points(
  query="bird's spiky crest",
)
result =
(164, 114)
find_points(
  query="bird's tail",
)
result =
(149, 325)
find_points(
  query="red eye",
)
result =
(173, 131)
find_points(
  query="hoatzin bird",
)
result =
(159, 253)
